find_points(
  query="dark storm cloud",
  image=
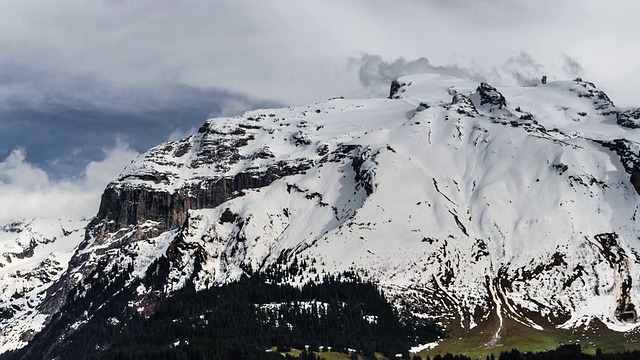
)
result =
(66, 124)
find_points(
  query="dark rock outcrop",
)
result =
(629, 158)
(364, 176)
(423, 106)
(463, 105)
(122, 206)
(635, 177)
(489, 95)
(395, 88)
(625, 309)
(629, 118)
(601, 101)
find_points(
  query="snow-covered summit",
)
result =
(467, 202)
(497, 169)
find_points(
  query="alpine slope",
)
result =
(466, 203)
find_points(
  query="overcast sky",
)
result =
(85, 84)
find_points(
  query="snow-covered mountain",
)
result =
(466, 203)
(33, 255)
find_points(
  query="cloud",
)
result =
(32, 193)
(15, 170)
(374, 71)
(179, 134)
(234, 107)
(524, 69)
(287, 52)
(65, 123)
(571, 66)
(375, 74)
(520, 69)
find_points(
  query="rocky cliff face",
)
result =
(467, 203)
(154, 194)
(122, 207)
(629, 118)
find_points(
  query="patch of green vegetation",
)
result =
(293, 352)
(514, 335)
(334, 355)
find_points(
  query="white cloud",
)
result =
(179, 134)
(234, 107)
(28, 192)
(15, 170)
(293, 51)
(375, 73)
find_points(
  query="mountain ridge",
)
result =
(461, 200)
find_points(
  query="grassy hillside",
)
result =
(474, 342)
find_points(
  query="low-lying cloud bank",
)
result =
(28, 192)
(375, 73)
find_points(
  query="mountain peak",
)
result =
(490, 96)
(467, 203)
